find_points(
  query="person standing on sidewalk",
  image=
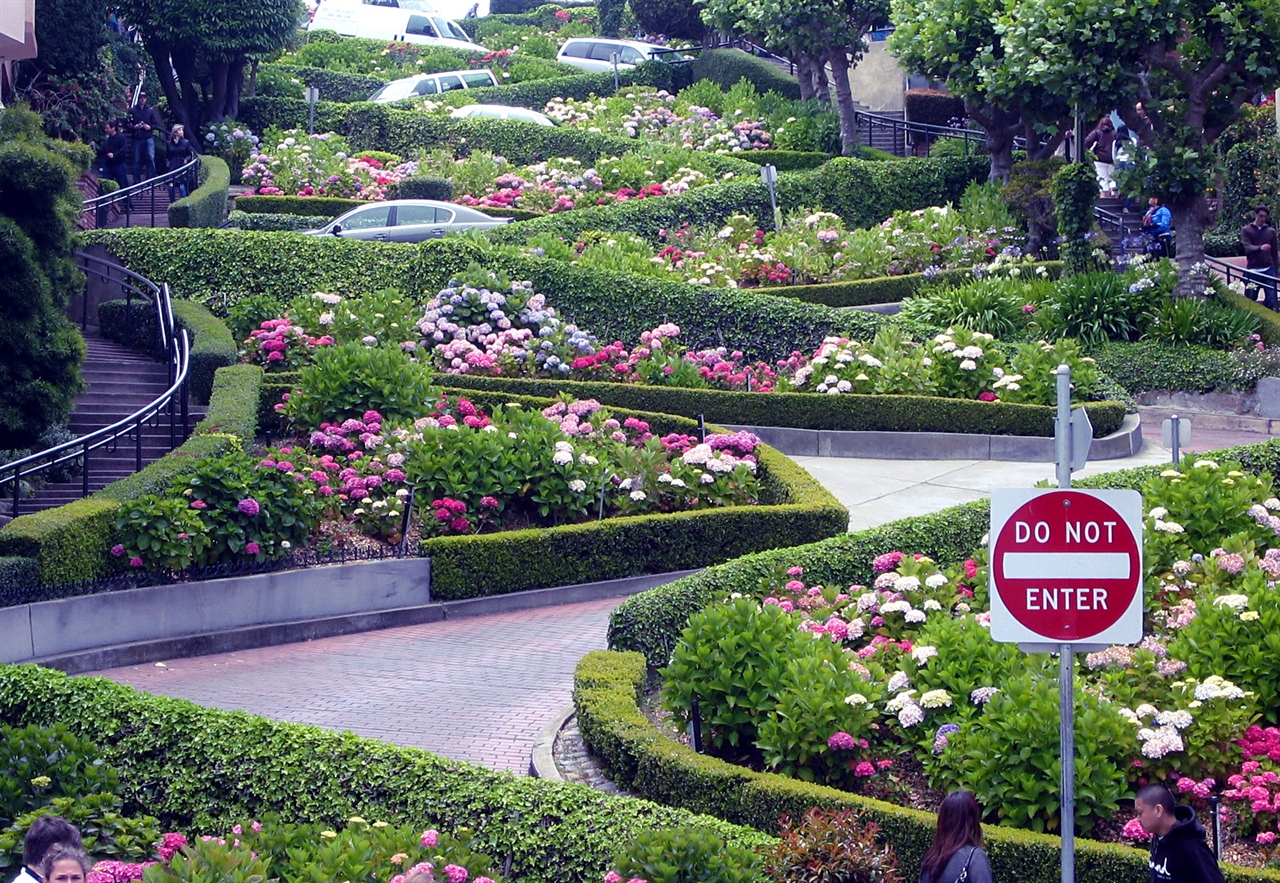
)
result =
(1179, 853)
(143, 121)
(1260, 252)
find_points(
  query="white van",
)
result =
(593, 53)
(391, 23)
(434, 84)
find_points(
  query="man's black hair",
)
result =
(1158, 795)
(43, 833)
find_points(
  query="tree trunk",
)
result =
(804, 73)
(1189, 222)
(216, 111)
(839, 60)
(235, 85)
(1000, 149)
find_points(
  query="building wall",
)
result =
(878, 82)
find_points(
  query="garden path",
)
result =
(480, 689)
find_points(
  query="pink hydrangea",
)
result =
(841, 741)
(431, 838)
(864, 769)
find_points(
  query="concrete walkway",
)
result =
(480, 689)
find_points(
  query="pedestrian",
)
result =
(64, 863)
(1179, 853)
(1102, 141)
(144, 120)
(1260, 254)
(178, 152)
(956, 855)
(114, 157)
(1157, 224)
(45, 833)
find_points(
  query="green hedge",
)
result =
(726, 66)
(613, 306)
(882, 290)
(1223, 244)
(1270, 319)
(18, 574)
(333, 85)
(785, 160)
(206, 206)
(1147, 366)
(70, 543)
(312, 206)
(644, 761)
(201, 770)
(276, 222)
(212, 346)
(932, 107)
(866, 192)
(883, 413)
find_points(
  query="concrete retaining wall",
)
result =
(69, 625)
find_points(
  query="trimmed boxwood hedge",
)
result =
(202, 769)
(885, 413)
(1147, 365)
(641, 759)
(333, 85)
(881, 290)
(319, 210)
(213, 263)
(786, 160)
(1270, 319)
(206, 206)
(70, 543)
(726, 67)
(275, 222)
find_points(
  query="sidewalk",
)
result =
(480, 689)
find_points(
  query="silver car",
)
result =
(407, 220)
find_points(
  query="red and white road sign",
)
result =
(1066, 566)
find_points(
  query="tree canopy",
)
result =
(200, 48)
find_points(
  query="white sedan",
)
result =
(407, 220)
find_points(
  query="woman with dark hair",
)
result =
(956, 855)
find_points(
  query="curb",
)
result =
(271, 634)
(542, 765)
(1124, 442)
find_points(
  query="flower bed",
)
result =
(928, 673)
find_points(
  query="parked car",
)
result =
(391, 23)
(434, 84)
(593, 53)
(407, 220)
(503, 112)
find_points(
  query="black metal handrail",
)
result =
(176, 347)
(1244, 274)
(123, 198)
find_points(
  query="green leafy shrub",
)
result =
(106, 830)
(786, 160)
(993, 305)
(311, 206)
(1094, 307)
(724, 67)
(205, 206)
(831, 845)
(424, 187)
(1008, 757)
(932, 107)
(345, 381)
(1148, 365)
(273, 221)
(1075, 190)
(1202, 322)
(685, 855)
(732, 658)
(207, 861)
(38, 764)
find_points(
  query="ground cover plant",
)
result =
(922, 690)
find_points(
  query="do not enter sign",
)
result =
(1066, 566)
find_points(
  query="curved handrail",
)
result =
(100, 204)
(1244, 274)
(177, 349)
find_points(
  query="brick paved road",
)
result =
(476, 689)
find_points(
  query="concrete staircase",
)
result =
(119, 383)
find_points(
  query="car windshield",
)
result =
(394, 91)
(365, 218)
(449, 29)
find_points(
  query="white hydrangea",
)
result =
(936, 699)
(922, 653)
(936, 581)
(899, 682)
(1235, 602)
(901, 701)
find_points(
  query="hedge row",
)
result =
(333, 85)
(726, 66)
(275, 221)
(1270, 319)
(201, 770)
(650, 623)
(213, 263)
(276, 213)
(1147, 366)
(69, 544)
(641, 759)
(211, 344)
(206, 206)
(786, 160)
(882, 290)
(883, 413)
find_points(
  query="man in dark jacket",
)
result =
(1260, 253)
(1179, 853)
(115, 155)
(144, 120)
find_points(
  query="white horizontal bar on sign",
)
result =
(1066, 565)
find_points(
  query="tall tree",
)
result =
(959, 42)
(829, 32)
(1190, 64)
(200, 48)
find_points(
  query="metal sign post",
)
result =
(769, 175)
(1176, 432)
(613, 58)
(313, 95)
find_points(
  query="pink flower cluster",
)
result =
(270, 344)
(170, 844)
(111, 871)
(451, 515)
